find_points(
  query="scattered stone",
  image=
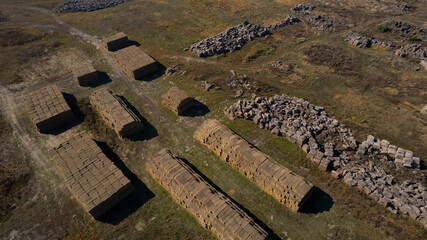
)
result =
(331, 146)
(177, 100)
(86, 5)
(399, 9)
(172, 70)
(406, 30)
(90, 175)
(424, 110)
(207, 85)
(415, 51)
(275, 179)
(212, 209)
(289, 20)
(239, 93)
(362, 41)
(322, 22)
(303, 8)
(48, 108)
(116, 113)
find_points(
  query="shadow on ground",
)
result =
(199, 109)
(318, 202)
(161, 69)
(131, 203)
(148, 132)
(271, 234)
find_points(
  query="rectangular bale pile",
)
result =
(287, 187)
(85, 73)
(177, 100)
(212, 209)
(93, 178)
(116, 42)
(135, 62)
(48, 108)
(118, 115)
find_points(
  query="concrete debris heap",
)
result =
(93, 178)
(288, 20)
(48, 108)
(230, 40)
(86, 5)
(177, 100)
(331, 146)
(284, 185)
(362, 41)
(212, 209)
(117, 114)
(85, 74)
(135, 62)
(116, 42)
(401, 157)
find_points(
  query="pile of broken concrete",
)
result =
(332, 146)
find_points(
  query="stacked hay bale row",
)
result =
(177, 100)
(284, 185)
(213, 210)
(85, 73)
(90, 175)
(112, 108)
(135, 62)
(116, 42)
(47, 108)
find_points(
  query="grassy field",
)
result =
(370, 90)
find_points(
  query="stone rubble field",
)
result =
(332, 146)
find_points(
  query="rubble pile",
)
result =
(86, 5)
(303, 8)
(332, 146)
(399, 9)
(288, 20)
(230, 40)
(406, 30)
(235, 37)
(401, 157)
(362, 41)
(322, 22)
(415, 51)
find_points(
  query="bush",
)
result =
(382, 28)
(245, 23)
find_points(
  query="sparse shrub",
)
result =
(245, 23)
(382, 28)
(414, 37)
